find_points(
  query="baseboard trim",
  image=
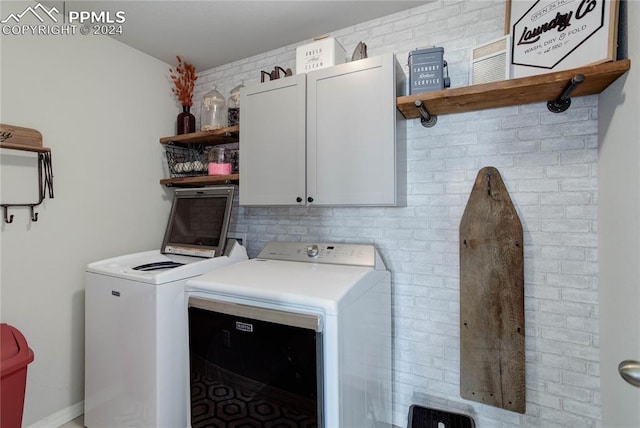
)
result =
(61, 417)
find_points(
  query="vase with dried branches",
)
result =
(184, 79)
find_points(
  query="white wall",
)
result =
(548, 162)
(101, 108)
(619, 235)
(549, 165)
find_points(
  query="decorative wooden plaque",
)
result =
(553, 35)
(492, 356)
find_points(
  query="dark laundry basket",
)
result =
(424, 417)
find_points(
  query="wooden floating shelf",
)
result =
(201, 180)
(24, 148)
(19, 138)
(524, 90)
(226, 135)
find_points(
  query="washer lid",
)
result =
(199, 221)
(311, 285)
(125, 266)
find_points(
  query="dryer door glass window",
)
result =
(253, 372)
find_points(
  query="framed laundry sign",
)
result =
(555, 35)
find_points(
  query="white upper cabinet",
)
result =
(349, 137)
(272, 142)
(351, 145)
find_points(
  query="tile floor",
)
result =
(76, 423)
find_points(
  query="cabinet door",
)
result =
(351, 150)
(272, 142)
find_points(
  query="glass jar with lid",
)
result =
(219, 161)
(233, 105)
(213, 112)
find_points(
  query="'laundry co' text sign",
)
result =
(561, 34)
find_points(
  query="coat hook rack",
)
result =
(30, 140)
(427, 120)
(563, 102)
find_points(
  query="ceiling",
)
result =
(216, 32)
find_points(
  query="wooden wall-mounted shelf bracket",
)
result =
(30, 140)
(563, 102)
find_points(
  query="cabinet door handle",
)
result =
(309, 199)
(630, 371)
(298, 199)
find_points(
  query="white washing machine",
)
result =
(135, 317)
(299, 336)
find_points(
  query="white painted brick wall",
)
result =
(548, 163)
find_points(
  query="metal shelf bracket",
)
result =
(45, 181)
(29, 140)
(563, 102)
(427, 120)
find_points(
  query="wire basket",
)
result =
(186, 161)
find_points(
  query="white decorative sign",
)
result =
(320, 54)
(554, 35)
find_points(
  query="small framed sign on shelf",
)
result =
(555, 35)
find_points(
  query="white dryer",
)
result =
(299, 336)
(135, 316)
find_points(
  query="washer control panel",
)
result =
(339, 254)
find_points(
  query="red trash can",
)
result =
(15, 355)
